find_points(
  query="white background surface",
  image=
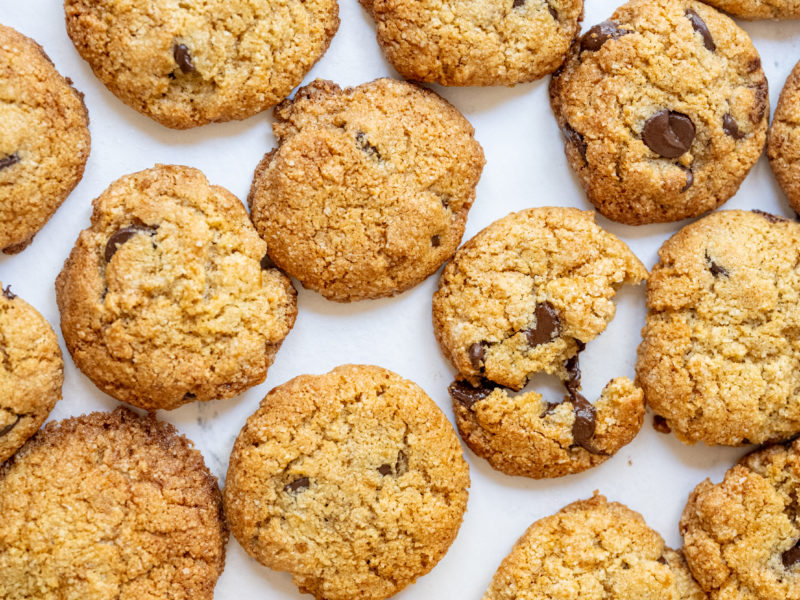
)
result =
(525, 167)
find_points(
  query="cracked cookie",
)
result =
(44, 139)
(476, 42)
(353, 482)
(783, 142)
(522, 297)
(186, 64)
(593, 549)
(368, 191)
(169, 297)
(31, 371)
(742, 535)
(663, 109)
(720, 354)
(109, 505)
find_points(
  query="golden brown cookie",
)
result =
(759, 9)
(368, 191)
(167, 298)
(783, 143)
(109, 505)
(353, 482)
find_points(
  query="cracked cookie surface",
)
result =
(476, 42)
(593, 549)
(742, 534)
(109, 506)
(368, 191)
(783, 143)
(190, 63)
(44, 139)
(31, 371)
(352, 481)
(166, 297)
(663, 109)
(720, 351)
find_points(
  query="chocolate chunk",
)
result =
(477, 353)
(553, 11)
(668, 133)
(7, 429)
(585, 422)
(754, 64)
(298, 485)
(575, 138)
(731, 127)
(464, 393)
(8, 160)
(517, 3)
(548, 325)
(598, 35)
(791, 556)
(436, 241)
(8, 293)
(759, 109)
(121, 236)
(715, 268)
(660, 424)
(189, 396)
(401, 466)
(700, 26)
(662, 560)
(689, 178)
(266, 263)
(184, 59)
(363, 143)
(385, 469)
(769, 216)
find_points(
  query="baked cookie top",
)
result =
(352, 481)
(190, 63)
(166, 298)
(742, 534)
(783, 142)
(720, 354)
(476, 42)
(31, 371)
(663, 109)
(109, 505)
(44, 139)
(368, 191)
(593, 549)
(759, 9)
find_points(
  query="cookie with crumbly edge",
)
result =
(352, 481)
(759, 9)
(784, 139)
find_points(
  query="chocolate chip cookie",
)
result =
(663, 109)
(593, 549)
(353, 482)
(783, 142)
(44, 139)
(524, 296)
(31, 371)
(190, 63)
(720, 355)
(742, 535)
(109, 506)
(167, 297)
(368, 191)
(476, 42)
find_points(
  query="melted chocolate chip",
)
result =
(731, 127)
(385, 469)
(668, 133)
(761, 92)
(700, 26)
(517, 3)
(465, 394)
(585, 413)
(298, 485)
(184, 58)
(266, 263)
(363, 143)
(791, 556)
(121, 236)
(8, 293)
(575, 138)
(436, 241)
(8, 160)
(7, 429)
(189, 396)
(548, 325)
(598, 35)
(715, 268)
(689, 178)
(477, 354)
(769, 216)
(553, 11)
(660, 424)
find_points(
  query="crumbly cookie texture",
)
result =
(783, 143)
(44, 139)
(190, 63)
(476, 42)
(31, 371)
(352, 481)
(720, 354)
(759, 9)
(664, 110)
(109, 506)
(166, 298)
(742, 534)
(593, 549)
(368, 191)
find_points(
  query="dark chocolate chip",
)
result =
(716, 268)
(266, 263)
(363, 143)
(769, 216)
(549, 407)
(791, 556)
(573, 367)
(660, 424)
(385, 469)
(598, 35)
(8, 160)
(184, 58)
(689, 178)
(700, 26)
(759, 109)
(297, 485)
(401, 466)
(477, 354)
(548, 325)
(731, 127)
(466, 394)
(575, 138)
(436, 241)
(8, 293)
(189, 396)
(585, 422)
(668, 133)
(121, 236)
(7, 429)
(662, 560)
(517, 3)
(553, 11)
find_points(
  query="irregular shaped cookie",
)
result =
(44, 139)
(31, 371)
(368, 191)
(720, 354)
(168, 297)
(476, 42)
(352, 481)
(742, 535)
(663, 109)
(593, 549)
(190, 63)
(784, 139)
(109, 506)
(759, 9)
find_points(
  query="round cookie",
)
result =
(476, 42)
(720, 354)
(31, 371)
(742, 535)
(186, 64)
(109, 505)
(168, 296)
(352, 481)
(44, 139)
(663, 110)
(593, 549)
(368, 191)
(784, 139)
